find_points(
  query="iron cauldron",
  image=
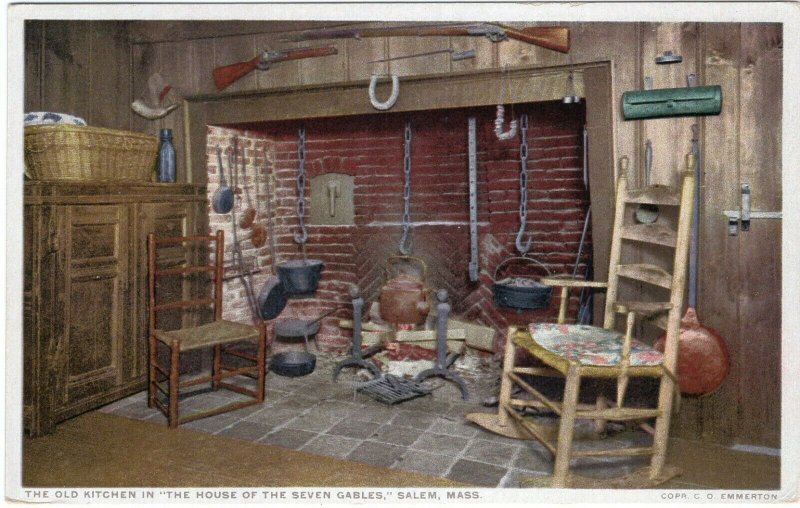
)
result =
(404, 298)
(300, 277)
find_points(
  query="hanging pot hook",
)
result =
(523, 249)
(383, 106)
(523, 185)
(498, 125)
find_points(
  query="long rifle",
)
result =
(550, 37)
(226, 75)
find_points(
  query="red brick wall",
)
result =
(370, 148)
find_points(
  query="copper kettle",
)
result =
(404, 298)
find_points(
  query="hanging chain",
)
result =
(523, 184)
(302, 236)
(404, 242)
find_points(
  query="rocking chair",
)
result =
(578, 351)
(220, 335)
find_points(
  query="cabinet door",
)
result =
(95, 260)
(165, 220)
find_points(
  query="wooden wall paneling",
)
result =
(325, 69)
(282, 73)
(34, 33)
(109, 75)
(618, 43)
(760, 248)
(512, 52)
(360, 52)
(164, 31)
(176, 66)
(202, 51)
(485, 53)
(196, 145)
(433, 64)
(671, 137)
(602, 167)
(229, 50)
(66, 75)
(714, 417)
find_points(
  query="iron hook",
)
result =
(522, 249)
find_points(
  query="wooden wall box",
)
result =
(85, 290)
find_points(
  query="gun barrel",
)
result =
(550, 37)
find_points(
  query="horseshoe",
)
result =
(383, 106)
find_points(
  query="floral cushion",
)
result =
(591, 345)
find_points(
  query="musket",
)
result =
(224, 76)
(550, 37)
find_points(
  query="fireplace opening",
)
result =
(353, 193)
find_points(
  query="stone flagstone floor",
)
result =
(427, 434)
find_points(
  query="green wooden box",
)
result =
(690, 101)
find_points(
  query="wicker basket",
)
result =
(71, 152)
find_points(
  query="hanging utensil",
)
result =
(703, 360)
(405, 243)
(647, 213)
(258, 233)
(249, 214)
(273, 249)
(472, 162)
(238, 258)
(222, 199)
(523, 185)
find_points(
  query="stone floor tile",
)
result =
(440, 443)
(435, 464)
(376, 412)
(477, 473)
(250, 431)
(246, 411)
(453, 427)
(332, 446)
(335, 409)
(427, 404)
(533, 457)
(272, 416)
(515, 478)
(137, 410)
(294, 401)
(354, 428)
(416, 419)
(378, 454)
(288, 438)
(211, 424)
(314, 422)
(491, 452)
(394, 434)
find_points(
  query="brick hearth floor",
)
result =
(427, 434)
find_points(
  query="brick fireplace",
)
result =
(370, 149)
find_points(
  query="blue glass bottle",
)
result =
(165, 167)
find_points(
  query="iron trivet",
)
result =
(391, 389)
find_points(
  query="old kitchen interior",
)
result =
(390, 205)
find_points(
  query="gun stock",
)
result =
(225, 76)
(550, 37)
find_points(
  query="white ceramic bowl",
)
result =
(47, 117)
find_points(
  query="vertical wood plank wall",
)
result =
(96, 68)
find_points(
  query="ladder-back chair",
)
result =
(220, 335)
(579, 351)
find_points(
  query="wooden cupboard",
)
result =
(85, 286)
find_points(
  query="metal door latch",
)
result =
(741, 218)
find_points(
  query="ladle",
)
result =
(222, 200)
